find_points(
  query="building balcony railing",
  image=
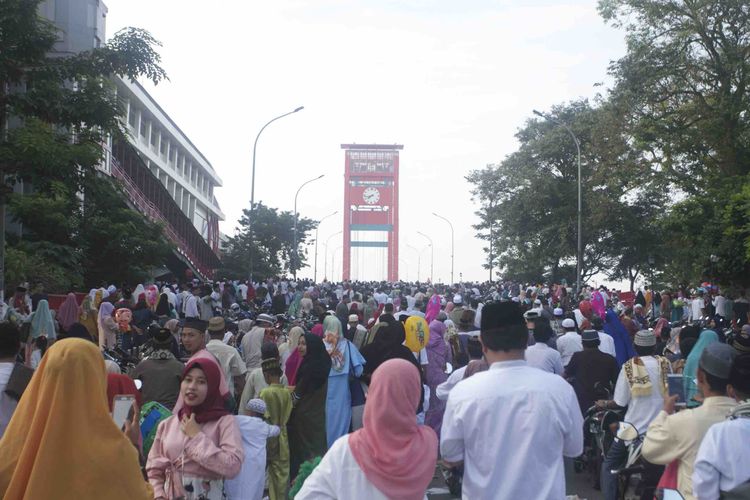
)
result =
(152, 199)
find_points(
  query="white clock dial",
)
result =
(371, 196)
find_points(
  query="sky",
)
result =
(451, 81)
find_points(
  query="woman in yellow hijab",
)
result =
(62, 442)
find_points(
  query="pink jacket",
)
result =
(215, 453)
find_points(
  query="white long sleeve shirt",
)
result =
(541, 356)
(723, 460)
(339, 476)
(507, 421)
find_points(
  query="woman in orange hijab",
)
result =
(62, 442)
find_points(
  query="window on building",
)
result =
(163, 147)
(144, 128)
(132, 116)
(154, 136)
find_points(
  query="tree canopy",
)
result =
(665, 159)
(56, 114)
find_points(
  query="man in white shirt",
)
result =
(723, 460)
(191, 304)
(253, 341)
(243, 290)
(540, 355)
(569, 342)
(677, 436)
(606, 342)
(511, 419)
(229, 359)
(697, 305)
(640, 388)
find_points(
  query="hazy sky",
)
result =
(451, 81)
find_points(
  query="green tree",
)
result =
(529, 198)
(682, 89)
(273, 244)
(56, 112)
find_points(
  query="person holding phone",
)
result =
(62, 442)
(677, 436)
(200, 445)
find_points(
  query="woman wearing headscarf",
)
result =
(42, 323)
(706, 338)
(118, 384)
(68, 312)
(200, 445)
(438, 354)
(62, 442)
(307, 424)
(107, 326)
(391, 457)
(342, 313)
(88, 317)
(345, 360)
(291, 360)
(76, 331)
(388, 344)
(164, 310)
(623, 345)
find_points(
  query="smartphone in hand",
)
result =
(676, 386)
(121, 406)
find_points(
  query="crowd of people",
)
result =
(360, 390)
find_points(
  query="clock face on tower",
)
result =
(371, 196)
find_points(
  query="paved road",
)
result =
(577, 484)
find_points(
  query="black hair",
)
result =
(690, 332)
(269, 350)
(596, 322)
(474, 346)
(10, 340)
(388, 308)
(503, 327)
(716, 384)
(643, 350)
(590, 344)
(686, 345)
(739, 376)
(41, 342)
(542, 330)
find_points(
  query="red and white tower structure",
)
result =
(370, 209)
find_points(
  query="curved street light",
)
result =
(453, 241)
(579, 250)
(432, 256)
(294, 253)
(325, 267)
(315, 272)
(252, 184)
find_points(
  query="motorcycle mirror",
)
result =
(448, 368)
(669, 494)
(138, 384)
(627, 432)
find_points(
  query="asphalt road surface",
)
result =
(576, 484)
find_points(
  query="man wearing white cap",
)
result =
(458, 309)
(570, 342)
(253, 340)
(356, 332)
(557, 322)
(249, 483)
(641, 386)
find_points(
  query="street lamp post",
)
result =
(432, 256)
(325, 261)
(252, 186)
(419, 259)
(294, 248)
(333, 260)
(453, 241)
(579, 251)
(315, 272)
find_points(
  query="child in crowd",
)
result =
(249, 483)
(278, 401)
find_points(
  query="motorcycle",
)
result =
(637, 478)
(597, 436)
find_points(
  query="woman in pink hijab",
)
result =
(391, 457)
(68, 312)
